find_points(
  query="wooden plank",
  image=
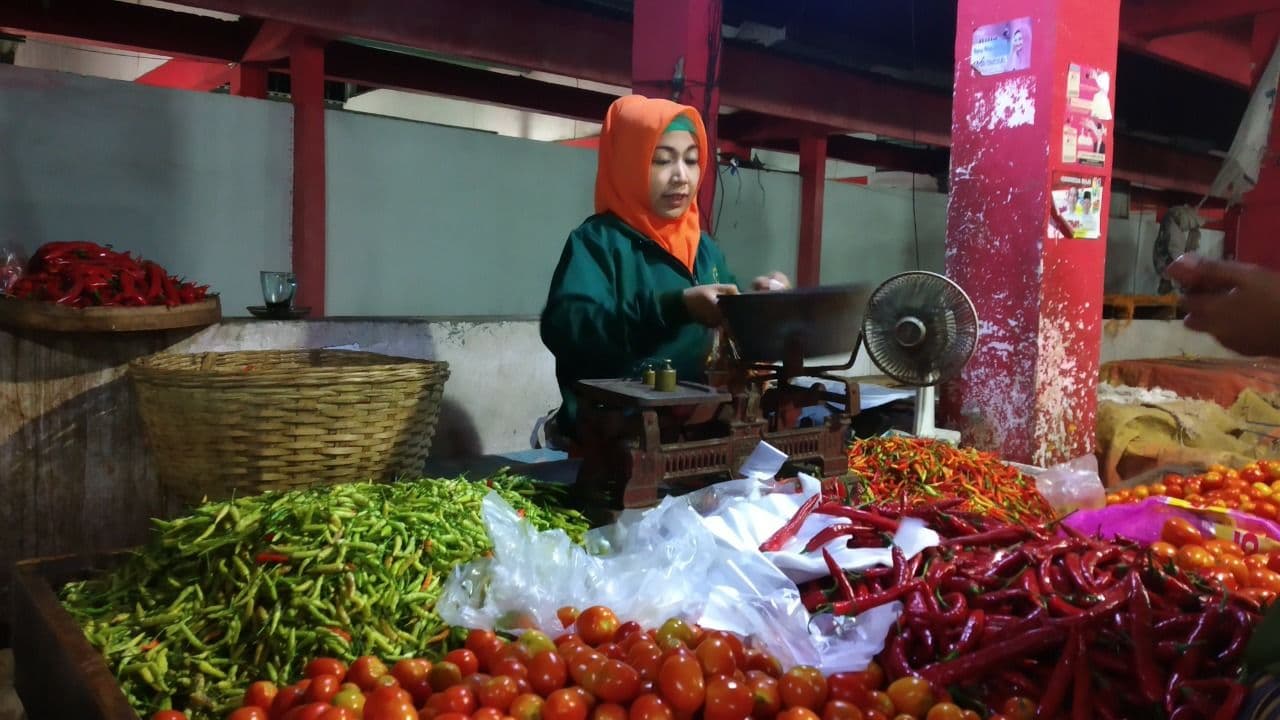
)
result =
(57, 673)
(75, 471)
(33, 315)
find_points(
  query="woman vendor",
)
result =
(639, 280)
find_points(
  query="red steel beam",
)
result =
(129, 27)
(1208, 53)
(1155, 18)
(813, 185)
(183, 74)
(249, 80)
(306, 66)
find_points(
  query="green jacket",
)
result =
(616, 301)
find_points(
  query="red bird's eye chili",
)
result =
(81, 274)
(792, 526)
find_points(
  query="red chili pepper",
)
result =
(861, 605)
(971, 633)
(1055, 692)
(1243, 632)
(895, 656)
(987, 659)
(156, 277)
(1081, 692)
(1000, 536)
(1059, 606)
(829, 533)
(72, 295)
(837, 574)
(267, 558)
(1149, 680)
(792, 526)
(1190, 661)
(873, 519)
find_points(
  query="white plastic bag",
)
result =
(1073, 485)
(695, 557)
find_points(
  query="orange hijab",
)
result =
(631, 132)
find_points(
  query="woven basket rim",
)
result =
(388, 367)
(147, 362)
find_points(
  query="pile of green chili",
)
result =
(247, 589)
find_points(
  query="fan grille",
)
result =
(945, 312)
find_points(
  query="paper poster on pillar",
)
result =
(1077, 208)
(1086, 131)
(1002, 48)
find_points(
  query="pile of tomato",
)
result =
(600, 669)
(1226, 565)
(1254, 488)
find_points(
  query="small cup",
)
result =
(278, 289)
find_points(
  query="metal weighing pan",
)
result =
(813, 321)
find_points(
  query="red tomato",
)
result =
(764, 695)
(547, 672)
(945, 711)
(468, 663)
(326, 666)
(597, 625)
(609, 711)
(882, 703)
(526, 707)
(412, 675)
(565, 704)
(1265, 579)
(511, 667)
(716, 656)
(729, 699)
(911, 696)
(323, 688)
(803, 686)
(286, 700)
(442, 676)
(874, 675)
(615, 682)
(875, 715)
(650, 707)
(337, 713)
(459, 699)
(247, 712)
(567, 615)
(1179, 531)
(1222, 578)
(477, 681)
(260, 694)
(534, 642)
(1237, 567)
(499, 692)
(169, 715)
(850, 687)
(645, 656)
(681, 684)
(487, 713)
(485, 645)
(1193, 558)
(389, 703)
(841, 710)
(798, 713)
(365, 671)
(627, 631)
(1019, 708)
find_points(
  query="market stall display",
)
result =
(83, 286)
(246, 588)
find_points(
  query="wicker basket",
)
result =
(236, 423)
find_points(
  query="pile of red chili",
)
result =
(84, 274)
(1082, 626)
(909, 470)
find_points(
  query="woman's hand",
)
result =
(701, 300)
(772, 281)
(1238, 304)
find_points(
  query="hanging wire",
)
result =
(915, 117)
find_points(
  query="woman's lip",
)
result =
(675, 197)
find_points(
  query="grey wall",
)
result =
(868, 233)
(197, 182)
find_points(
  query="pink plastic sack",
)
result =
(1143, 522)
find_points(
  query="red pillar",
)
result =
(1259, 216)
(813, 183)
(249, 80)
(675, 54)
(306, 69)
(1030, 391)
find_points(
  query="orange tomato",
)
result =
(1267, 510)
(1164, 551)
(1265, 579)
(1218, 468)
(1222, 578)
(1159, 489)
(1221, 548)
(1194, 558)
(1237, 567)
(1258, 595)
(1248, 505)
(1114, 500)
(1211, 480)
(1257, 560)
(1179, 532)
(1142, 492)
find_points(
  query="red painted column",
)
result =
(1029, 393)
(675, 54)
(306, 69)
(249, 80)
(1259, 216)
(813, 183)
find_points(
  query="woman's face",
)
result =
(674, 174)
(1017, 40)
